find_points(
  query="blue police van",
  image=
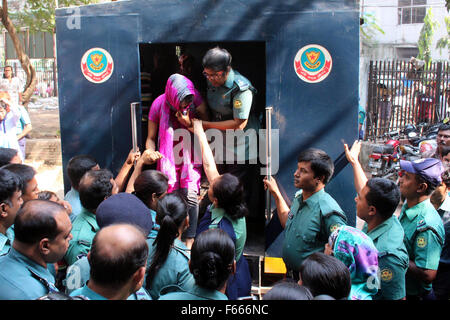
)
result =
(301, 56)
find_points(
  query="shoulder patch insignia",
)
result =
(421, 242)
(334, 227)
(237, 104)
(386, 275)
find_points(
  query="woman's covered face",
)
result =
(185, 103)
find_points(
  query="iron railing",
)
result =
(402, 92)
(46, 85)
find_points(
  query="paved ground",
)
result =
(43, 150)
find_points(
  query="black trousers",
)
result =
(441, 284)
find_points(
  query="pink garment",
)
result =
(185, 174)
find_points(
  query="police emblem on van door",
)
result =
(313, 63)
(97, 65)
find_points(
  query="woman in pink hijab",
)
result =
(169, 119)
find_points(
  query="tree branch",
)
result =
(21, 55)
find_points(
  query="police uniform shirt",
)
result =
(24, 119)
(141, 294)
(393, 258)
(174, 271)
(361, 114)
(309, 225)
(155, 227)
(239, 228)
(73, 197)
(444, 212)
(424, 234)
(84, 229)
(193, 293)
(88, 293)
(79, 272)
(23, 279)
(226, 104)
(6, 241)
(77, 275)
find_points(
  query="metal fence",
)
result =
(45, 74)
(404, 92)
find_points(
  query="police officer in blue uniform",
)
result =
(230, 101)
(42, 235)
(212, 263)
(313, 215)
(376, 201)
(119, 208)
(118, 258)
(424, 230)
(95, 186)
(168, 255)
(10, 203)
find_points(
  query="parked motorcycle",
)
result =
(415, 134)
(384, 161)
(384, 158)
(422, 145)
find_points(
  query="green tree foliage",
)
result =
(21, 55)
(426, 37)
(444, 42)
(369, 28)
(39, 15)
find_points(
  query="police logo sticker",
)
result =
(386, 275)
(421, 242)
(313, 63)
(237, 104)
(97, 65)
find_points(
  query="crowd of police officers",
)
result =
(122, 237)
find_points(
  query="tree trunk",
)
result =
(21, 55)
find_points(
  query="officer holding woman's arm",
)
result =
(229, 94)
(230, 98)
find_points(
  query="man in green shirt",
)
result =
(424, 230)
(27, 174)
(42, 235)
(95, 186)
(10, 203)
(376, 204)
(313, 215)
(376, 201)
(118, 259)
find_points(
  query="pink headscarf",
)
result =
(186, 174)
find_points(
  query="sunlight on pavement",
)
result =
(49, 178)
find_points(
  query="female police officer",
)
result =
(230, 97)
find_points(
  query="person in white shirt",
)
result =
(9, 117)
(11, 84)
